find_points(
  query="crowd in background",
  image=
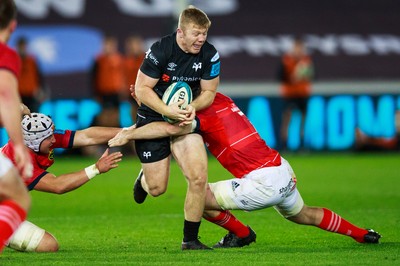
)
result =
(111, 74)
(113, 71)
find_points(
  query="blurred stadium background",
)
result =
(355, 46)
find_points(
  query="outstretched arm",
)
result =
(94, 136)
(68, 182)
(153, 130)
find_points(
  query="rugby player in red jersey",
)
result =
(41, 139)
(262, 177)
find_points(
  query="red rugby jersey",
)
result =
(233, 140)
(9, 60)
(41, 161)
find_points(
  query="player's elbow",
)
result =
(61, 189)
(140, 91)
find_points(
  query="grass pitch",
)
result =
(99, 223)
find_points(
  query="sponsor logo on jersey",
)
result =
(151, 57)
(290, 186)
(171, 66)
(215, 57)
(236, 109)
(165, 78)
(244, 202)
(196, 66)
(235, 185)
(186, 79)
(215, 69)
(147, 154)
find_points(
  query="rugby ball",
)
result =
(174, 93)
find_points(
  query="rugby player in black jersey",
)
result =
(184, 55)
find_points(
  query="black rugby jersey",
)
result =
(166, 61)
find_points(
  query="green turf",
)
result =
(99, 223)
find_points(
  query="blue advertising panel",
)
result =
(330, 122)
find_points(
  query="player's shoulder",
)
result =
(7, 53)
(221, 101)
(9, 59)
(160, 50)
(210, 52)
(63, 133)
(209, 48)
(163, 44)
(58, 131)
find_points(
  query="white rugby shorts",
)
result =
(5, 165)
(262, 188)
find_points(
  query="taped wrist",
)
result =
(91, 171)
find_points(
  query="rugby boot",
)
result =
(372, 237)
(139, 194)
(233, 241)
(193, 245)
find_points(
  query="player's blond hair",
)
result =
(193, 15)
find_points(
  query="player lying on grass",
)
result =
(263, 178)
(42, 139)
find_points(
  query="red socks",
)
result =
(334, 223)
(11, 216)
(226, 220)
(330, 222)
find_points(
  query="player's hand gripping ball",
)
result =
(176, 92)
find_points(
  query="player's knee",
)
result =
(31, 238)
(48, 244)
(156, 190)
(198, 180)
(155, 183)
